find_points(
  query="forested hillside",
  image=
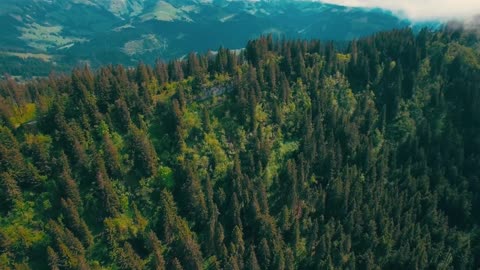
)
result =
(286, 155)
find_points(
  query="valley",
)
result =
(75, 33)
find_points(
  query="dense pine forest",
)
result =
(289, 154)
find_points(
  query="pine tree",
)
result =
(112, 157)
(129, 259)
(264, 254)
(252, 263)
(143, 152)
(195, 201)
(9, 190)
(68, 184)
(76, 223)
(175, 264)
(53, 259)
(161, 72)
(122, 115)
(193, 65)
(108, 195)
(157, 251)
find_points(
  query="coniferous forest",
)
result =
(289, 154)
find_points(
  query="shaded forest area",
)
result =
(290, 154)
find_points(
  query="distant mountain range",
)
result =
(59, 34)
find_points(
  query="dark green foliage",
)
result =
(128, 259)
(142, 152)
(158, 261)
(287, 155)
(75, 223)
(9, 190)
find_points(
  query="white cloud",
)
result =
(420, 9)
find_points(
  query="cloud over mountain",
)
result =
(420, 9)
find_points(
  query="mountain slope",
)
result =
(126, 31)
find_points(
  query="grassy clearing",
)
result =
(148, 43)
(44, 37)
(164, 11)
(40, 56)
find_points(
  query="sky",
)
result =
(420, 9)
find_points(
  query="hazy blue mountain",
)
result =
(65, 33)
